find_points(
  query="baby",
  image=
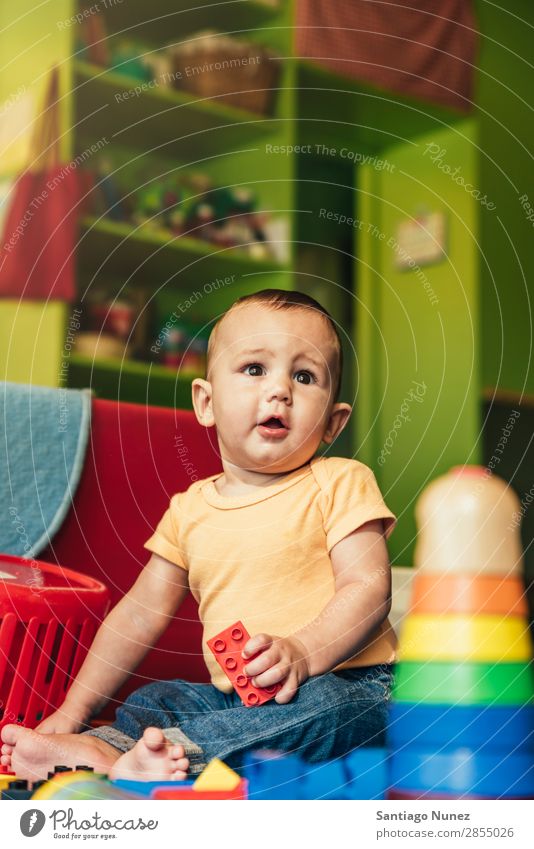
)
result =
(290, 542)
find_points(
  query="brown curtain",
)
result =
(422, 48)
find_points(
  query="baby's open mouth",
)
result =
(273, 423)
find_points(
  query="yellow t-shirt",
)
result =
(264, 557)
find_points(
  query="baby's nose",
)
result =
(279, 388)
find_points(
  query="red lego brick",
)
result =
(226, 647)
(187, 793)
(6, 770)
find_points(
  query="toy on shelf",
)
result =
(182, 345)
(48, 618)
(228, 217)
(92, 43)
(189, 205)
(215, 65)
(156, 205)
(113, 327)
(107, 198)
(226, 647)
(131, 58)
(462, 719)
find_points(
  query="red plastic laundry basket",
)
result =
(48, 618)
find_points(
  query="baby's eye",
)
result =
(254, 370)
(304, 377)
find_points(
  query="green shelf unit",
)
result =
(108, 247)
(158, 119)
(132, 381)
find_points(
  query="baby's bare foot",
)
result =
(152, 758)
(32, 755)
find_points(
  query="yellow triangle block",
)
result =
(217, 776)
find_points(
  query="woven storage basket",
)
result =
(244, 74)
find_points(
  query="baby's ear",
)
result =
(202, 394)
(339, 417)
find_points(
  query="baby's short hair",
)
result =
(280, 299)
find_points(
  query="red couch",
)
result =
(137, 458)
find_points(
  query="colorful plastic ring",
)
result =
(499, 728)
(482, 638)
(475, 594)
(464, 683)
(463, 771)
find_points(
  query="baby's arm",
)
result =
(361, 602)
(125, 636)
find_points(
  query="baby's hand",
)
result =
(279, 660)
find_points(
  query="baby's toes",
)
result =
(179, 775)
(180, 763)
(6, 749)
(5, 760)
(176, 752)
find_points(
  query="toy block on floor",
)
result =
(274, 775)
(368, 772)
(76, 786)
(147, 788)
(18, 790)
(217, 776)
(226, 648)
(239, 792)
(326, 780)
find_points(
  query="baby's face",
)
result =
(272, 383)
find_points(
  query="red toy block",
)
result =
(5, 770)
(226, 647)
(239, 792)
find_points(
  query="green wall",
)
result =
(505, 96)
(417, 330)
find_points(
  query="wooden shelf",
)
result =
(158, 119)
(111, 247)
(133, 381)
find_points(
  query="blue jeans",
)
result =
(330, 716)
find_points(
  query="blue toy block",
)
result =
(273, 775)
(463, 771)
(425, 726)
(368, 773)
(327, 780)
(145, 788)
